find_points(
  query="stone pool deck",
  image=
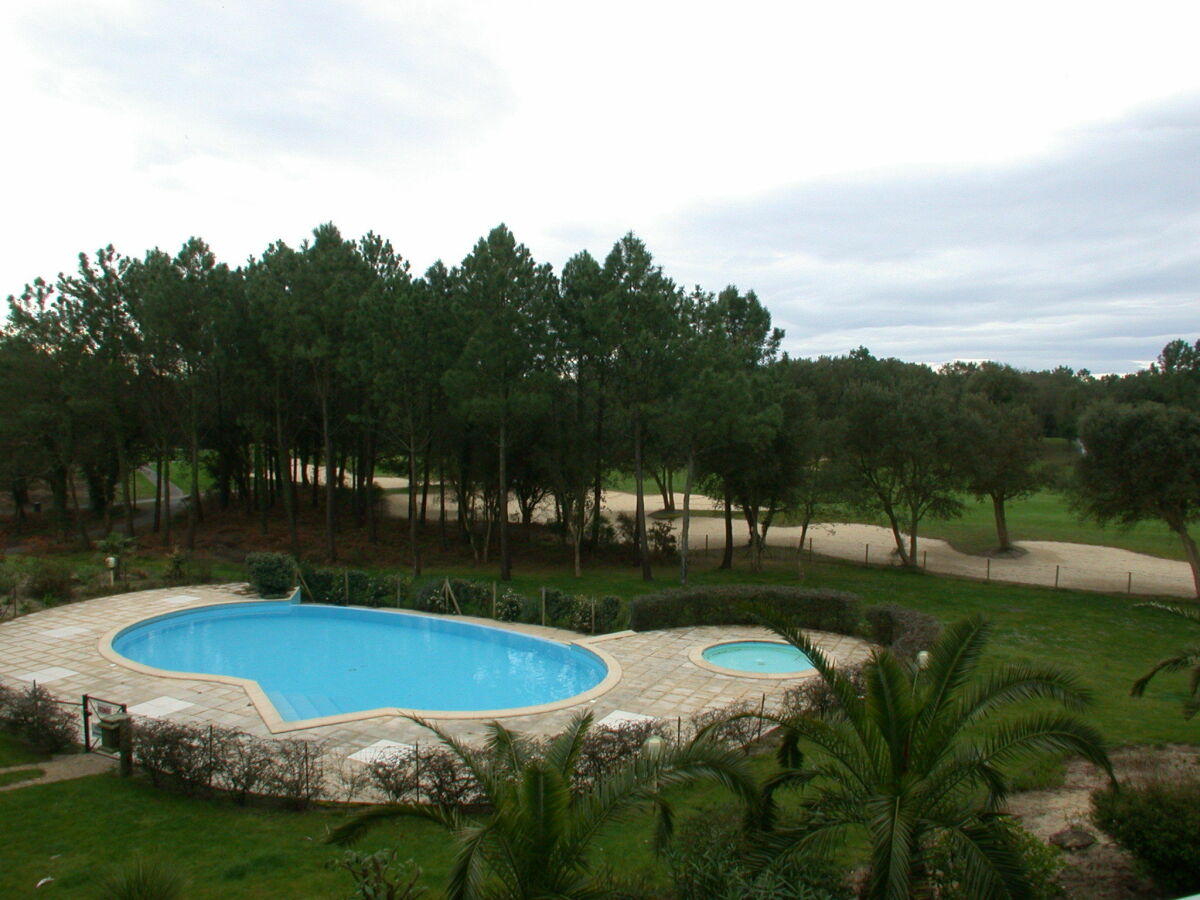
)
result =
(60, 649)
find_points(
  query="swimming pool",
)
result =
(313, 661)
(758, 657)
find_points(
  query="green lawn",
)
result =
(69, 830)
(14, 753)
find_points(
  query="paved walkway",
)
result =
(59, 649)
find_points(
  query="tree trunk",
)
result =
(330, 483)
(412, 507)
(84, 541)
(166, 479)
(727, 558)
(158, 491)
(598, 485)
(1001, 522)
(640, 530)
(687, 518)
(442, 502)
(1189, 549)
(505, 556)
(425, 485)
(286, 484)
(194, 500)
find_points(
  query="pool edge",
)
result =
(696, 657)
(275, 723)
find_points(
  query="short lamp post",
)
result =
(110, 562)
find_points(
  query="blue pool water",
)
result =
(763, 657)
(324, 660)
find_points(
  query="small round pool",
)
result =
(313, 661)
(760, 657)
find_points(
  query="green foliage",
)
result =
(47, 579)
(711, 857)
(1186, 659)
(920, 758)
(142, 879)
(595, 615)
(902, 630)
(738, 605)
(271, 574)
(509, 606)
(1159, 823)
(33, 716)
(350, 587)
(1041, 862)
(381, 876)
(533, 830)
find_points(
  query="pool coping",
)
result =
(276, 724)
(696, 656)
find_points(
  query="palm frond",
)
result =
(565, 748)
(1192, 614)
(1190, 658)
(1043, 732)
(992, 867)
(353, 829)
(466, 878)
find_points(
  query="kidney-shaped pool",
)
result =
(314, 661)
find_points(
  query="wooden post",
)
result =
(810, 551)
(543, 606)
(1056, 577)
(493, 599)
(924, 559)
(593, 615)
(867, 555)
(345, 587)
(1129, 583)
(988, 576)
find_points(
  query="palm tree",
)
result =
(1188, 659)
(919, 757)
(531, 836)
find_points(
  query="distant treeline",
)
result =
(310, 367)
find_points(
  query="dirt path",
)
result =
(1043, 563)
(61, 768)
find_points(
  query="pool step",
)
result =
(304, 706)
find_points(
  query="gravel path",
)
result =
(62, 768)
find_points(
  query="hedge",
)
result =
(902, 630)
(1159, 823)
(822, 610)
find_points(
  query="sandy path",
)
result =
(1044, 563)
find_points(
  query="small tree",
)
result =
(1142, 462)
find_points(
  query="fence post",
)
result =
(593, 615)
(925, 559)
(346, 587)
(1056, 577)
(493, 599)
(543, 606)
(1129, 583)
(87, 731)
(988, 576)
(706, 543)
(762, 708)
(810, 551)
(867, 555)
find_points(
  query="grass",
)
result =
(19, 775)
(14, 753)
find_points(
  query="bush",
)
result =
(660, 537)
(351, 587)
(1159, 823)
(474, 598)
(35, 718)
(603, 613)
(823, 610)
(606, 747)
(737, 725)
(1042, 863)
(559, 607)
(381, 876)
(178, 754)
(297, 772)
(814, 697)
(141, 879)
(47, 580)
(509, 606)
(271, 574)
(902, 630)
(708, 860)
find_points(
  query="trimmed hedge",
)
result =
(822, 610)
(902, 630)
(271, 574)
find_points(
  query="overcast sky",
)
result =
(935, 181)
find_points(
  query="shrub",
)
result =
(395, 776)
(606, 747)
(351, 587)
(444, 781)
(271, 574)
(176, 565)
(823, 610)
(474, 598)
(178, 754)
(603, 613)
(509, 606)
(661, 538)
(902, 630)
(736, 724)
(559, 607)
(708, 861)
(48, 580)
(141, 879)
(1159, 823)
(1042, 863)
(297, 772)
(814, 697)
(380, 876)
(243, 765)
(35, 718)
